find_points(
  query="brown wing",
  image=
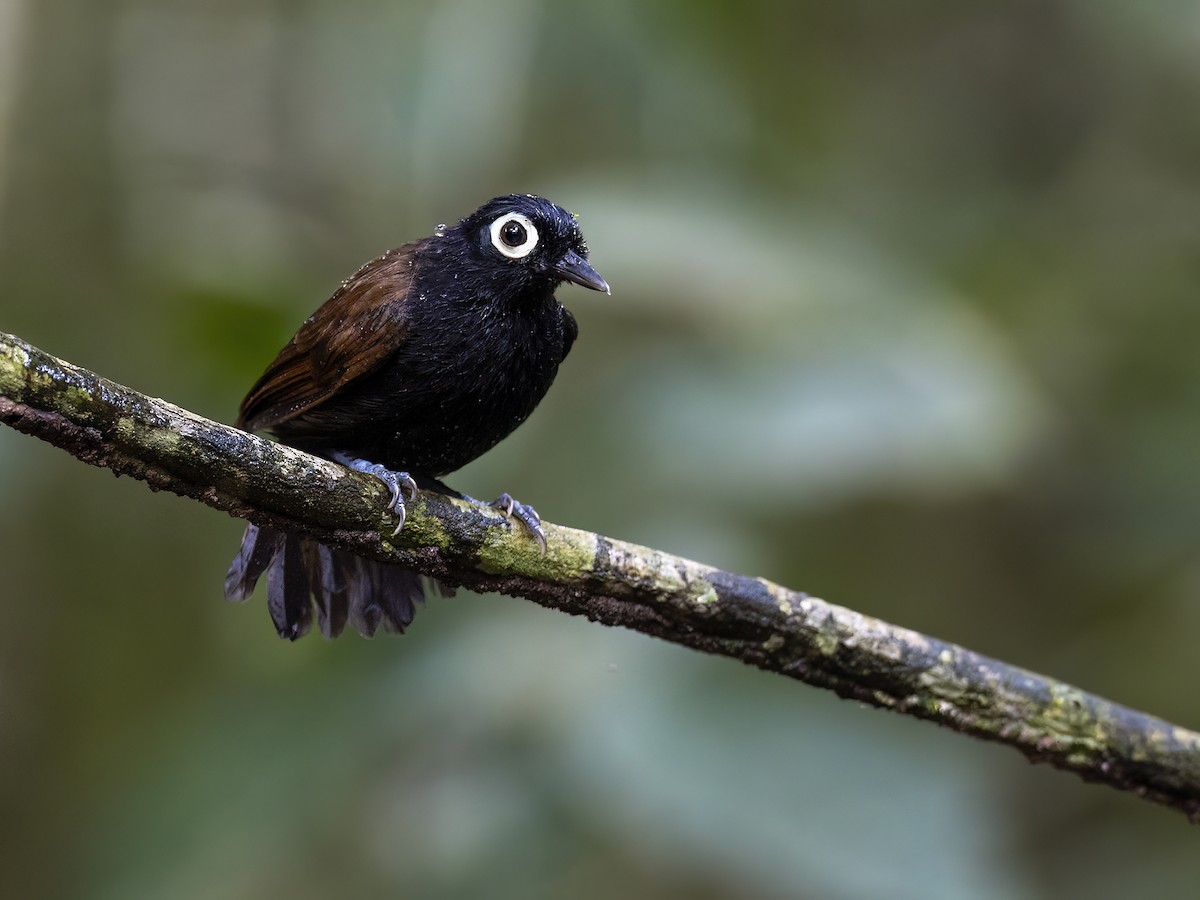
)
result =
(352, 333)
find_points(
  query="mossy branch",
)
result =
(609, 581)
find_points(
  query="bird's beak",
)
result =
(573, 267)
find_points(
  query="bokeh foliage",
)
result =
(904, 315)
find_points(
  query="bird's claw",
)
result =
(523, 513)
(403, 489)
(400, 484)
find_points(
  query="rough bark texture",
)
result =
(609, 581)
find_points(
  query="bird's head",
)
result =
(532, 239)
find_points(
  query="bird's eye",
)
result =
(514, 235)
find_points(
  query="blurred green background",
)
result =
(904, 314)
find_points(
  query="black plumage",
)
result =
(422, 360)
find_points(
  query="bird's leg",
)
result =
(401, 484)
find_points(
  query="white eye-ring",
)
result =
(514, 235)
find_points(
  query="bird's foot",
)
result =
(523, 513)
(401, 484)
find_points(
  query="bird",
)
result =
(421, 361)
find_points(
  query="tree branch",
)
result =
(609, 581)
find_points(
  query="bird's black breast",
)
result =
(476, 376)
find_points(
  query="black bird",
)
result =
(423, 359)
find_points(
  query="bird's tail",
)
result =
(346, 588)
